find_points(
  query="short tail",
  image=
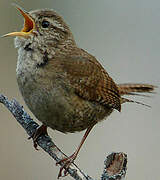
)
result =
(134, 89)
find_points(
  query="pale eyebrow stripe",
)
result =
(58, 25)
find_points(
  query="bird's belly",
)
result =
(62, 110)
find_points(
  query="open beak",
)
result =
(29, 25)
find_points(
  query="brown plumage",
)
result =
(131, 88)
(65, 87)
(90, 80)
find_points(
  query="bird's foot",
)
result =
(66, 163)
(42, 130)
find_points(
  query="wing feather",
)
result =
(91, 81)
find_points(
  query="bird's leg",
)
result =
(68, 160)
(42, 130)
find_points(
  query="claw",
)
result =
(61, 170)
(67, 162)
(42, 130)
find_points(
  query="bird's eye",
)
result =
(45, 24)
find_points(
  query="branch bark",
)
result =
(114, 165)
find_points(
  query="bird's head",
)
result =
(43, 27)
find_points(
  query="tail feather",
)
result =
(138, 94)
(124, 100)
(134, 89)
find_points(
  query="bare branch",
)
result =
(115, 163)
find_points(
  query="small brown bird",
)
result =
(65, 87)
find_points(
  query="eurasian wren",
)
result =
(65, 87)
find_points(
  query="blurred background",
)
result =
(125, 37)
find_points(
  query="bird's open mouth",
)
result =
(28, 22)
(29, 25)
